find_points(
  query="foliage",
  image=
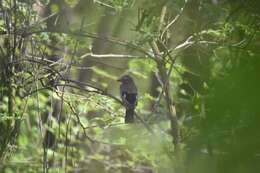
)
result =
(195, 63)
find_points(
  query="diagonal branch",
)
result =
(173, 21)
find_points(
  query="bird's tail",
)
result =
(129, 115)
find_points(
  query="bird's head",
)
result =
(125, 79)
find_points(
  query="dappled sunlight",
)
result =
(126, 86)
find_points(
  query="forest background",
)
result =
(195, 62)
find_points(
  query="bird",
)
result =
(128, 93)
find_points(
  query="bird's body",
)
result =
(128, 93)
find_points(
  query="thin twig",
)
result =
(107, 56)
(94, 36)
(173, 21)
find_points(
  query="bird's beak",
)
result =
(119, 80)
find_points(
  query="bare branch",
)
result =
(175, 131)
(107, 56)
(94, 36)
(174, 20)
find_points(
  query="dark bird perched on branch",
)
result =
(128, 93)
